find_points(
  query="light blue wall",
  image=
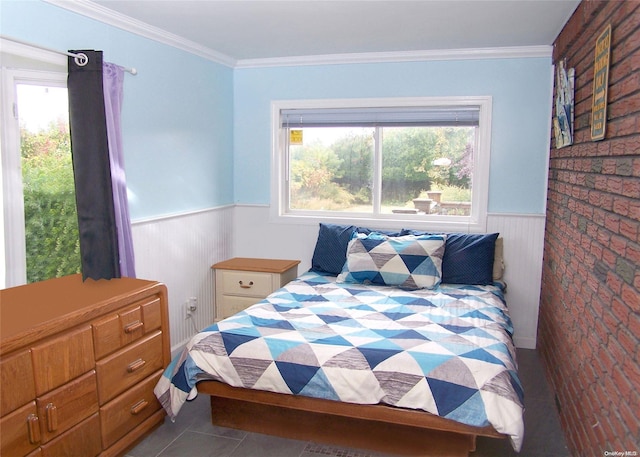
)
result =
(177, 113)
(198, 134)
(521, 91)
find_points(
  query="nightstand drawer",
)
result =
(231, 304)
(247, 283)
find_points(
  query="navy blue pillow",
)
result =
(468, 258)
(330, 252)
(367, 231)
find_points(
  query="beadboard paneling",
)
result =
(179, 251)
(523, 249)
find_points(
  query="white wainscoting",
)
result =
(178, 251)
(523, 250)
(255, 236)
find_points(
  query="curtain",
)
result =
(113, 82)
(99, 176)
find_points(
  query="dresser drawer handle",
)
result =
(132, 327)
(245, 286)
(33, 428)
(135, 365)
(138, 407)
(52, 417)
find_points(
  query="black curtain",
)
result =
(92, 173)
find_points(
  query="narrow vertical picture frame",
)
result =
(600, 85)
(563, 119)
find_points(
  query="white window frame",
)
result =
(31, 66)
(476, 222)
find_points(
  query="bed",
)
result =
(388, 351)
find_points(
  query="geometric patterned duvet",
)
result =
(447, 351)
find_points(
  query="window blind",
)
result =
(381, 116)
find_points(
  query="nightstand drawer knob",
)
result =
(135, 365)
(245, 286)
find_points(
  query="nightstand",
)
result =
(242, 282)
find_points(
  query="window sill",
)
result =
(391, 221)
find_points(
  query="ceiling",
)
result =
(265, 29)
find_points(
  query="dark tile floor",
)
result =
(193, 435)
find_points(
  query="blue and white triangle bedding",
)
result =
(447, 351)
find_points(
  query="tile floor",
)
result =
(193, 435)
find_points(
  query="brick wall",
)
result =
(589, 328)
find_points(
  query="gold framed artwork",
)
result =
(563, 120)
(600, 85)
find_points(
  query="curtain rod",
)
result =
(80, 58)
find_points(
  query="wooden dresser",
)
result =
(78, 364)
(244, 281)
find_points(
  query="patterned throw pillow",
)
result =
(330, 252)
(409, 262)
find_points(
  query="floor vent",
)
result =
(322, 449)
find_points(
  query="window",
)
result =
(40, 234)
(422, 162)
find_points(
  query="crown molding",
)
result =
(94, 11)
(402, 56)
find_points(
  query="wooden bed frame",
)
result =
(376, 427)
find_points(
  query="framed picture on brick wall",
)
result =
(563, 119)
(600, 85)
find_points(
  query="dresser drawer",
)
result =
(16, 371)
(82, 440)
(20, 431)
(61, 359)
(117, 330)
(247, 283)
(125, 412)
(232, 305)
(152, 314)
(68, 405)
(123, 369)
